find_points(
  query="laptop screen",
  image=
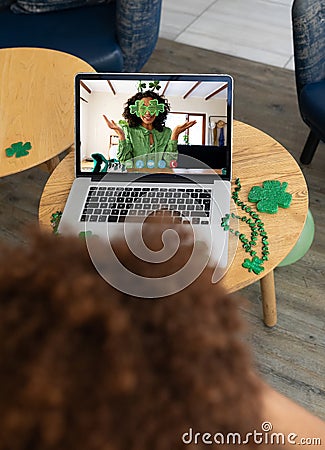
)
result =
(153, 124)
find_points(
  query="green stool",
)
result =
(303, 244)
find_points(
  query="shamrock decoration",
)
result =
(255, 264)
(257, 229)
(55, 220)
(140, 109)
(141, 86)
(19, 149)
(270, 196)
(155, 85)
(155, 107)
(137, 108)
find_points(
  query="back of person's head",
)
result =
(86, 367)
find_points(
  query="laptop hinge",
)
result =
(97, 177)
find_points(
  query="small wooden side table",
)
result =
(256, 157)
(36, 105)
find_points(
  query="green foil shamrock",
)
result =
(154, 108)
(255, 264)
(19, 149)
(269, 197)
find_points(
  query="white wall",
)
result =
(95, 134)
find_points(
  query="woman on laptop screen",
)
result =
(144, 132)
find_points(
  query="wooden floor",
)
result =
(291, 356)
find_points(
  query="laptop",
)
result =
(129, 165)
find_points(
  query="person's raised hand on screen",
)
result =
(113, 126)
(180, 128)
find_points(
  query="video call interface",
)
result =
(154, 126)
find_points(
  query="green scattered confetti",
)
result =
(18, 149)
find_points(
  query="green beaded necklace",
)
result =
(257, 228)
(55, 220)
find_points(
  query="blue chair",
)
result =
(308, 23)
(118, 36)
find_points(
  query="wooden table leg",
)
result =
(268, 299)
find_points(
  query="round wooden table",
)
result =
(36, 106)
(256, 157)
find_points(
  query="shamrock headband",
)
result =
(154, 108)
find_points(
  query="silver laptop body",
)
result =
(192, 185)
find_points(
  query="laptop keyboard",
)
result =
(117, 204)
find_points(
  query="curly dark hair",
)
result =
(86, 367)
(134, 121)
